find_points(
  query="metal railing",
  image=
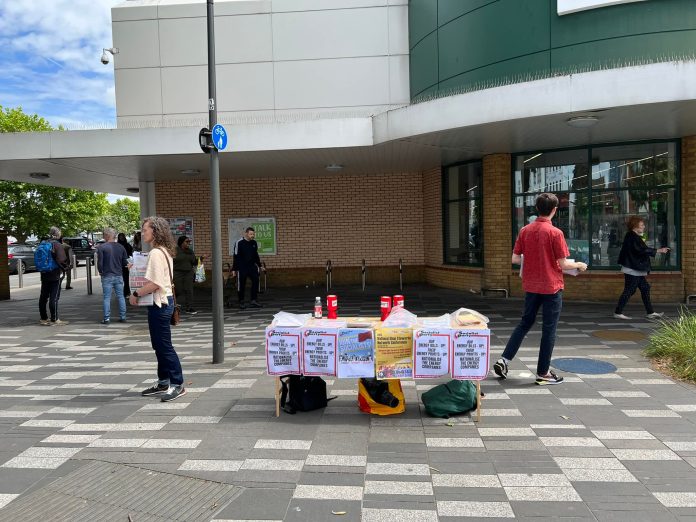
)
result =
(363, 274)
(329, 270)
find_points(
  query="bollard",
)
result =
(328, 275)
(73, 262)
(88, 268)
(20, 273)
(362, 271)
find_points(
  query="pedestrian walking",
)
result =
(51, 261)
(634, 259)
(137, 242)
(544, 249)
(247, 264)
(112, 259)
(126, 272)
(158, 275)
(185, 263)
(69, 255)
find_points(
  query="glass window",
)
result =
(634, 179)
(463, 227)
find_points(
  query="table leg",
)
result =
(278, 387)
(478, 401)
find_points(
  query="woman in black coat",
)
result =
(634, 259)
(126, 273)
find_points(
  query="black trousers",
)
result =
(631, 284)
(50, 293)
(242, 276)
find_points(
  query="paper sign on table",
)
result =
(319, 351)
(431, 349)
(470, 354)
(394, 353)
(283, 351)
(356, 352)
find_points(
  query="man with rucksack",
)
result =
(51, 261)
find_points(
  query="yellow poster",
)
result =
(394, 353)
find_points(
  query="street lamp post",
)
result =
(216, 229)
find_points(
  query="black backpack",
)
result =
(306, 393)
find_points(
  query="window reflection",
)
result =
(463, 217)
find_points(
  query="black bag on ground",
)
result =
(302, 393)
(452, 398)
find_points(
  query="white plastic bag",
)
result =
(467, 317)
(399, 317)
(200, 273)
(288, 320)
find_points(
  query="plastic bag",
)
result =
(399, 317)
(288, 320)
(467, 317)
(200, 273)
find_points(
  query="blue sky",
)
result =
(50, 60)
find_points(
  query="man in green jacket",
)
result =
(185, 263)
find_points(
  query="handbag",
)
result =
(176, 314)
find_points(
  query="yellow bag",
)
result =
(386, 391)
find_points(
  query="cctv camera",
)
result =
(104, 58)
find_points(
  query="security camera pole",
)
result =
(216, 228)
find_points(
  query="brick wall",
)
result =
(688, 213)
(344, 218)
(4, 273)
(497, 215)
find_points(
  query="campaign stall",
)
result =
(400, 347)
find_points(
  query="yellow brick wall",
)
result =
(344, 218)
(497, 215)
(688, 213)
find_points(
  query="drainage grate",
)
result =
(583, 366)
(104, 491)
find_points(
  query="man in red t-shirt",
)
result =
(544, 249)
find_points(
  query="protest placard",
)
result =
(319, 351)
(136, 277)
(470, 354)
(431, 349)
(356, 352)
(283, 351)
(394, 353)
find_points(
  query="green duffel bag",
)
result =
(452, 398)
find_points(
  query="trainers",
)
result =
(157, 389)
(45, 322)
(174, 393)
(58, 322)
(655, 315)
(621, 316)
(68, 287)
(549, 378)
(191, 311)
(123, 320)
(242, 306)
(106, 322)
(501, 368)
(254, 304)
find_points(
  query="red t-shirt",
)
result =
(542, 245)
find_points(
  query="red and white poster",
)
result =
(431, 348)
(283, 351)
(470, 354)
(319, 351)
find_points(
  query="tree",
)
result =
(123, 216)
(29, 209)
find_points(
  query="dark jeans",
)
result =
(551, 305)
(242, 275)
(183, 285)
(50, 293)
(126, 283)
(631, 284)
(168, 364)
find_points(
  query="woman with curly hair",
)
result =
(170, 383)
(634, 259)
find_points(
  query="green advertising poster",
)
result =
(265, 228)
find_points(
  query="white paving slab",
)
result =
(599, 475)
(387, 487)
(455, 480)
(6, 498)
(542, 494)
(388, 468)
(273, 464)
(584, 442)
(451, 442)
(645, 454)
(336, 460)
(211, 465)
(282, 444)
(402, 515)
(454, 508)
(328, 492)
(676, 499)
(599, 463)
(623, 435)
(533, 479)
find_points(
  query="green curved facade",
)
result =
(466, 44)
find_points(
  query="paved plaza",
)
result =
(78, 442)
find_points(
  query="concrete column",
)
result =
(497, 221)
(148, 206)
(688, 213)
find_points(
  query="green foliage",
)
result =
(15, 120)
(675, 344)
(123, 216)
(28, 208)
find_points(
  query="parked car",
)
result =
(20, 251)
(82, 247)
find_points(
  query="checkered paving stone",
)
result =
(597, 447)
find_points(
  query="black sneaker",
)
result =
(174, 393)
(242, 306)
(106, 323)
(549, 378)
(157, 389)
(501, 368)
(191, 311)
(254, 304)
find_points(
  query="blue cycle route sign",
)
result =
(219, 137)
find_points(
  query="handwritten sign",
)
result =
(470, 354)
(431, 349)
(283, 351)
(356, 353)
(319, 351)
